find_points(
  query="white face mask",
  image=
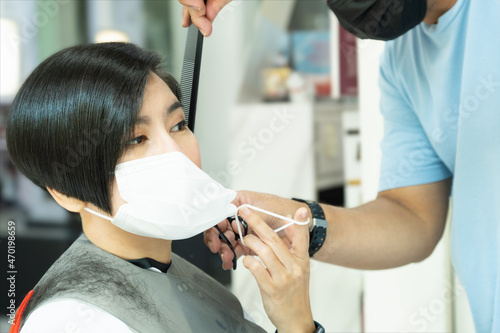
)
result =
(169, 197)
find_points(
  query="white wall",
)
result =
(222, 65)
(370, 116)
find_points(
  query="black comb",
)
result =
(190, 75)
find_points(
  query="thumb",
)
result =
(214, 7)
(298, 235)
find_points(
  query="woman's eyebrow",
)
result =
(145, 119)
(176, 105)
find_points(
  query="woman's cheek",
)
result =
(191, 149)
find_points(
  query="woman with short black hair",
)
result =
(100, 127)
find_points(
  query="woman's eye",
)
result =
(180, 126)
(137, 140)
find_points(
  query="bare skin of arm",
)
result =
(399, 227)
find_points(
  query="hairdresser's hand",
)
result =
(272, 203)
(284, 278)
(201, 15)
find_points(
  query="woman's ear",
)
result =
(68, 203)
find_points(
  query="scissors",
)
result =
(236, 235)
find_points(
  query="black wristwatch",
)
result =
(317, 232)
(319, 328)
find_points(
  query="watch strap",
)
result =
(317, 234)
(319, 328)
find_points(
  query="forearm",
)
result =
(378, 235)
(399, 227)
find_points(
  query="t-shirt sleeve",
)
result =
(71, 315)
(408, 157)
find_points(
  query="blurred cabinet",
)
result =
(328, 142)
(352, 159)
(328, 146)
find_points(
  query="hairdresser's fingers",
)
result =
(211, 236)
(274, 266)
(186, 18)
(230, 236)
(241, 250)
(211, 239)
(259, 272)
(287, 242)
(198, 4)
(225, 252)
(298, 235)
(196, 10)
(268, 237)
(214, 7)
(226, 256)
(249, 231)
(216, 245)
(201, 21)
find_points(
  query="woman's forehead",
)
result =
(156, 94)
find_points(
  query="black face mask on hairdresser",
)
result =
(378, 19)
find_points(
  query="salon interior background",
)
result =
(288, 104)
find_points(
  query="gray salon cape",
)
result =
(184, 299)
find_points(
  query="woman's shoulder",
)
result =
(68, 314)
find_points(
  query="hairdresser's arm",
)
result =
(201, 15)
(400, 226)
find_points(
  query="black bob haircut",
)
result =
(68, 123)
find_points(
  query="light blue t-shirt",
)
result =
(440, 98)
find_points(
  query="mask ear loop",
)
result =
(98, 214)
(268, 213)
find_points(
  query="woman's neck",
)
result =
(123, 244)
